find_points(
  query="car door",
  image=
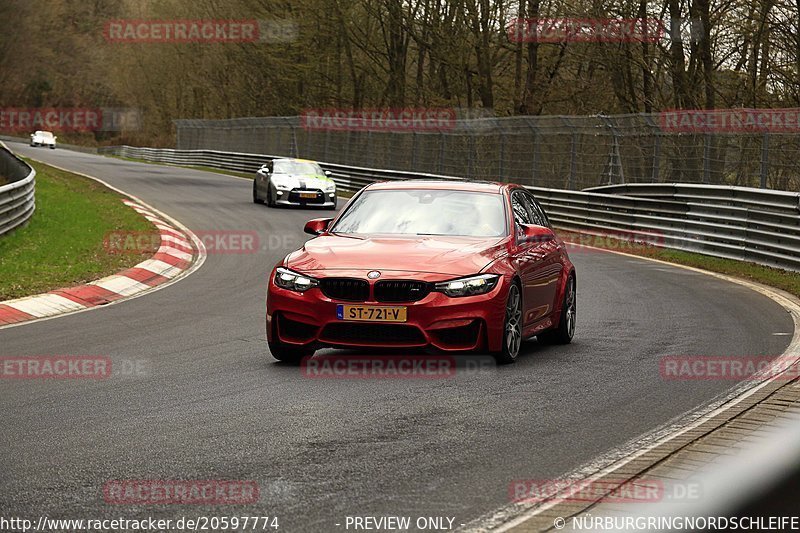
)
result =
(527, 258)
(550, 264)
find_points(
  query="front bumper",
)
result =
(436, 321)
(292, 198)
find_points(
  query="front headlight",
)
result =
(330, 188)
(293, 281)
(470, 286)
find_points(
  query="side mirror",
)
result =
(536, 234)
(317, 226)
(54, 137)
(327, 172)
(33, 135)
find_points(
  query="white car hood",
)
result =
(307, 181)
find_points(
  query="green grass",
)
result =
(62, 245)
(774, 277)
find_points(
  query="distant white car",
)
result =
(298, 182)
(43, 138)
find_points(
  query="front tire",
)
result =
(566, 325)
(333, 207)
(512, 328)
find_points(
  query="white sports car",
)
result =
(294, 182)
(43, 138)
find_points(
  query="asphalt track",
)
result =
(210, 402)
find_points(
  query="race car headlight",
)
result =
(287, 279)
(330, 188)
(470, 286)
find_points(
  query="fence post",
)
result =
(500, 164)
(441, 152)
(573, 153)
(764, 159)
(370, 153)
(470, 150)
(413, 150)
(535, 158)
(656, 158)
(295, 150)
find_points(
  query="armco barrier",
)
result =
(17, 201)
(757, 225)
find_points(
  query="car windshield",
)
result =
(45, 134)
(296, 167)
(425, 212)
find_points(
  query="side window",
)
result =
(521, 213)
(539, 218)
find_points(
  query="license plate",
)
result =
(308, 195)
(369, 313)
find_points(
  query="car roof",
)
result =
(441, 184)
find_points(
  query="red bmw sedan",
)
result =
(444, 265)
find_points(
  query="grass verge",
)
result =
(62, 245)
(774, 277)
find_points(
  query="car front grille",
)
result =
(379, 334)
(348, 289)
(294, 196)
(401, 290)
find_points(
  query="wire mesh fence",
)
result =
(565, 152)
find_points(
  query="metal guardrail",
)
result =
(757, 225)
(17, 202)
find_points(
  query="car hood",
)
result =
(302, 181)
(455, 256)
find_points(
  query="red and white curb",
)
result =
(178, 253)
